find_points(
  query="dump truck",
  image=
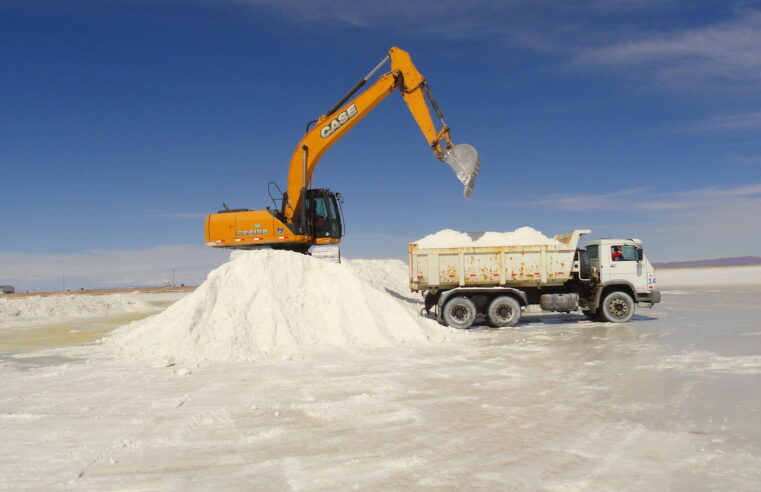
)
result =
(606, 280)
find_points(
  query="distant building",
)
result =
(7, 289)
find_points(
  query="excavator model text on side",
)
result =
(305, 216)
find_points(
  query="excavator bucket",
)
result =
(464, 160)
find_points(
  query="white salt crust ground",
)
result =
(23, 311)
(668, 401)
(686, 277)
(449, 238)
(278, 304)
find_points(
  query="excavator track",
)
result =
(327, 253)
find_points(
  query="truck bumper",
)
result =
(652, 297)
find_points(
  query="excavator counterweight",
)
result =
(307, 217)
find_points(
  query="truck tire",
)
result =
(460, 312)
(585, 269)
(503, 311)
(617, 307)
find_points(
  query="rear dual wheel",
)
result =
(460, 312)
(503, 311)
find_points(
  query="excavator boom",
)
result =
(333, 125)
(294, 226)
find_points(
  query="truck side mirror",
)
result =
(640, 254)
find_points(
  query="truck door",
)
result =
(624, 264)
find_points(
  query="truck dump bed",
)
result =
(490, 266)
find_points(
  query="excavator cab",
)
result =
(324, 215)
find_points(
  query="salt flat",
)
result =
(669, 401)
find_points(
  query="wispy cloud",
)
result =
(728, 122)
(447, 18)
(746, 160)
(726, 51)
(678, 225)
(593, 34)
(183, 216)
(505, 20)
(646, 199)
(583, 201)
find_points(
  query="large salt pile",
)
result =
(277, 304)
(449, 238)
(24, 311)
(390, 276)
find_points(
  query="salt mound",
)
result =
(277, 304)
(21, 311)
(389, 276)
(449, 238)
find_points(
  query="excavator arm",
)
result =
(334, 124)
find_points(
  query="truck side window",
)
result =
(630, 253)
(623, 253)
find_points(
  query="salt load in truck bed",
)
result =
(545, 263)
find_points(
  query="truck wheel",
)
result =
(460, 312)
(503, 311)
(585, 269)
(617, 307)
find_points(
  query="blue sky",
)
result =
(124, 122)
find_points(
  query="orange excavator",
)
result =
(305, 216)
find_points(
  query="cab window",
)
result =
(626, 252)
(319, 206)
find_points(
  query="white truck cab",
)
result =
(623, 262)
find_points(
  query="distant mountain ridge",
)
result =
(719, 262)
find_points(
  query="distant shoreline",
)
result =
(100, 292)
(685, 267)
(190, 288)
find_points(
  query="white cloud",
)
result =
(728, 122)
(589, 33)
(447, 18)
(678, 225)
(726, 51)
(583, 201)
(645, 199)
